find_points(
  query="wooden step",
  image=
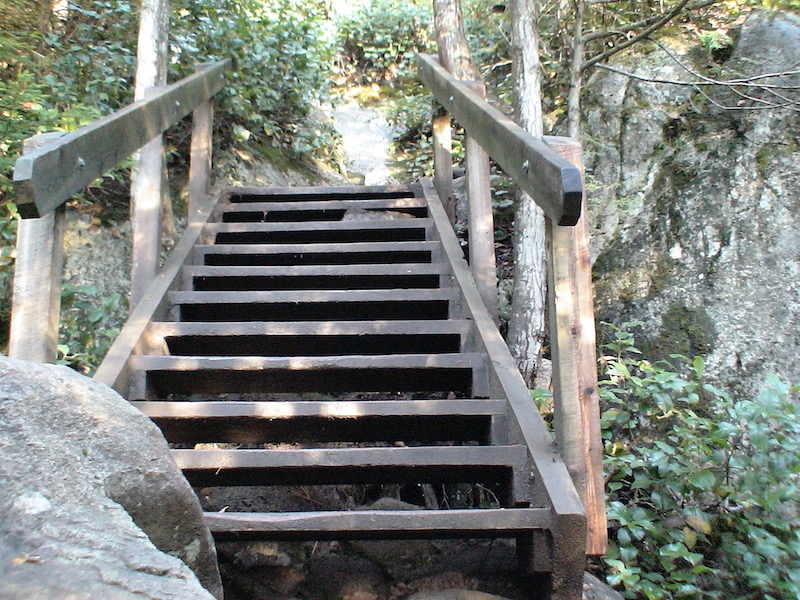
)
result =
(324, 466)
(305, 194)
(336, 232)
(336, 277)
(333, 305)
(322, 210)
(159, 376)
(420, 421)
(378, 524)
(315, 254)
(307, 338)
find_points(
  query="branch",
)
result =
(645, 22)
(698, 87)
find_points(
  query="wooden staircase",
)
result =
(330, 336)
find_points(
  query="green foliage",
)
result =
(379, 41)
(703, 488)
(88, 326)
(283, 52)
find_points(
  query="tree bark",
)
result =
(575, 73)
(455, 56)
(147, 183)
(527, 327)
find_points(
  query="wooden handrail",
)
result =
(553, 183)
(551, 172)
(46, 178)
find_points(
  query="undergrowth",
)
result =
(702, 487)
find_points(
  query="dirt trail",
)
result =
(366, 136)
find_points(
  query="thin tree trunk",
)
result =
(575, 77)
(147, 186)
(527, 327)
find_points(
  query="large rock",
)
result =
(92, 505)
(694, 207)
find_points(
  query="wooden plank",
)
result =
(443, 163)
(296, 363)
(322, 328)
(552, 182)
(318, 226)
(49, 176)
(200, 155)
(479, 459)
(551, 474)
(312, 297)
(316, 270)
(330, 410)
(335, 204)
(113, 371)
(575, 329)
(36, 293)
(375, 524)
(481, 225)
(306, 193)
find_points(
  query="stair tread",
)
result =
(308, 296)
(323, 409)
(215, 227)
(330, 192)
(320, 328)
(380, 524)
(332, 204)
(460, 457)
(315, 270)
(260, 363)
(322, 247)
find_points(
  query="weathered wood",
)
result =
(550, 470)
(443, 163)
(307, 297)
(315, 270)
(200, 155)
(330, 410)
(333, 204)
(46, 178)
(481, 225)
(146, 199)
(297, 363)
(392, 225)
(373, 524)
(552, 182)
(36, 299)
(159, 330)
(579, 333)
(437, 464)
(306, 193)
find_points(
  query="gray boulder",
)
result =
(694, 207)
(92, 505)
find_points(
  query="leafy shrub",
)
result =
(380, 40)
(283, 53)
(703, 488)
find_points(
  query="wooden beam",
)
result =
(577, 403)
(200, 157)
(552, 182)
(36, 301)
(47, 177)
(443, 163)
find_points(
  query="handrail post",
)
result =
(443, 162)
(36, 300)
(200, 156)
(573, 338)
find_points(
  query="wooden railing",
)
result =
(551, 172)
(55, 167)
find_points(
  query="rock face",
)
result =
(694, 207)
(92, 505)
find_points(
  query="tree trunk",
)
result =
(148, 191)
(527, 327)
(575, 77)
(455, 56)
